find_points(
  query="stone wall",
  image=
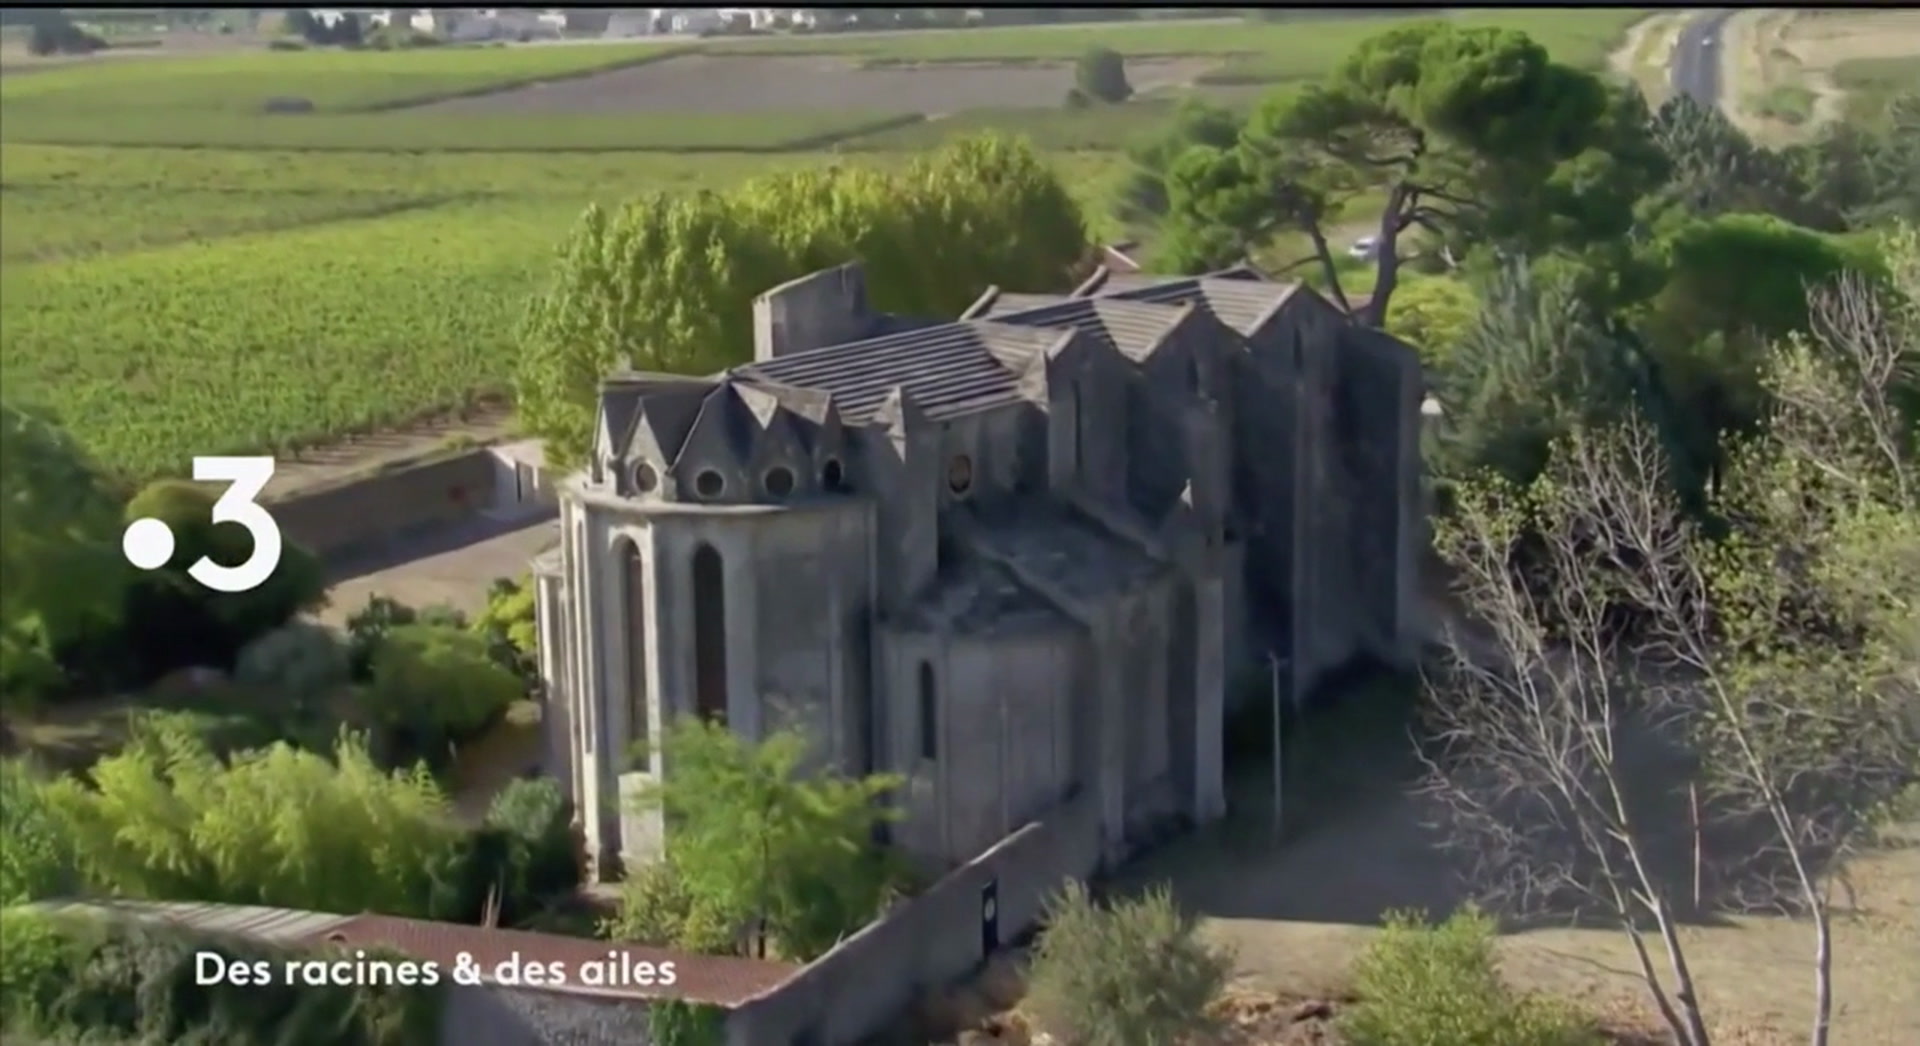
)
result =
(934, 939)
(359, 514)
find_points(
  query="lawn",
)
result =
(45, 222)
(334, 81)
(1101, 127)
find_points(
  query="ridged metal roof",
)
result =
(950, 370)
(1007, 301)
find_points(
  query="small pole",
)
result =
(1693, 814)
(1278, 775)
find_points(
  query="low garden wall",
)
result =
(932, 940)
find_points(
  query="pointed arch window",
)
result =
(709, 634)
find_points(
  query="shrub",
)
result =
(302, 662)
(1427, 985)
(166, 819)
(1102, 74)
(1132, 973)
(172, 621)
(285, 45)
(438, 680)
(1077, 99)
(36, 860)
(509, 625)
(542, 859)
(370, 624)
(676, 1022)
(72, 977)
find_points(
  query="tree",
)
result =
(667, 283)
(1773, 641)
(1143, 197)
(760, 850)
(511, 628)
(1474, 136)
(1102, 74)
(61, 573)
(302, 662)
(1715, 169)
(1132, 974)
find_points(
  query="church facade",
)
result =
(1017, 557)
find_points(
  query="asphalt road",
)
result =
(1696, 58)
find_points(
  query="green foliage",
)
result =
(676, 1022)
(1101, 75)
(543, 860)
(1132, 974)
(1439, 985)
(302, 661)
(1196, 122)
(660, 907)
(438, 679)
(1433, 315)
(165, 819)
(761, 847)
(173, 621)
(61, 571)
(668, 281)
(1532, 365)
(76, 977)
(54, 33)
(1716, 169)
(510, 627)
(1475, 135)
(37, 860)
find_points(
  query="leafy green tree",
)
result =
(509, 624)
(165, 819)
(1134, 973)
(764, 850)
(1143, 195)
(668, 282)
(1102, 74)
(1715, 169)
(543, 861)
(1434, 315)
(1474, 137)
(61, 572)
(438, 681)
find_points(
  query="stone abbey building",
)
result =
(1025, 555)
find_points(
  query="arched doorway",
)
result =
(709, 635)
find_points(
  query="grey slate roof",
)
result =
(1239, 303)
(1135, 329)
(950, 370)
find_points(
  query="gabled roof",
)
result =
(950, 369)
(1134, 329)
(1240, 303)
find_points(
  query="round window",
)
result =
(960, 474)
(709, 484)
(645, 479)
(779, 481)
(831, 474)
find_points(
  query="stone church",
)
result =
(1017, 557)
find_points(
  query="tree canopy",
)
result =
(1474, 137)
(667, 282)
(60, 565)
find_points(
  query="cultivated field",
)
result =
(1787, 72)
(187, 273)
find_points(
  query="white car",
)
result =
(1364, 248)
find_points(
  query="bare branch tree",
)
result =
(1781, 644)
(1533, 721)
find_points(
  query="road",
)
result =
(1696, 58)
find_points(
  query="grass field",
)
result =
(295, 277)
(1871, 84)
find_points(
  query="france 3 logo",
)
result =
(148, 543)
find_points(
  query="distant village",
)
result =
(475, 25)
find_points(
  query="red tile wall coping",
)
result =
(725, 981)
